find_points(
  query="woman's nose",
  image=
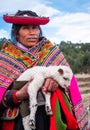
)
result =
(31, 31)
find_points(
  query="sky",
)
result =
(69, 19)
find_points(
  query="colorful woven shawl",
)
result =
(14, 60)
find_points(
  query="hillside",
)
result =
(84, 85)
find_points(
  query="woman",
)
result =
(27, 49)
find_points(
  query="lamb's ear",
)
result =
(61, 71)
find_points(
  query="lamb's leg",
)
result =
(32, 105)
(47, 104)
(33, 88)
(25, 121)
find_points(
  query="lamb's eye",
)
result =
(65, 78)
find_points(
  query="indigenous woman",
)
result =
(29, 48)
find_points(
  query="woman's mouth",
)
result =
(32, 39)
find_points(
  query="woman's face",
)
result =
(28, 35)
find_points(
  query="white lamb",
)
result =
(38, 74)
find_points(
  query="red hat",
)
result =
(22, 17)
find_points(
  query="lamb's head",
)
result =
(65, 74)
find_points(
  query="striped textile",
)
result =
(14, 61)
(77, 104)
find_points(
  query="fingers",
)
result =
(50, 85)
(46, 84)
(22, 93)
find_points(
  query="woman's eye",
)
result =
(25, 27)
(35, 27)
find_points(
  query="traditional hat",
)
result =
(32, 18)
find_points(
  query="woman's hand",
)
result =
(22, 93)
(50, 85)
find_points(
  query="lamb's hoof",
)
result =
(48, 110)
(32, 124)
